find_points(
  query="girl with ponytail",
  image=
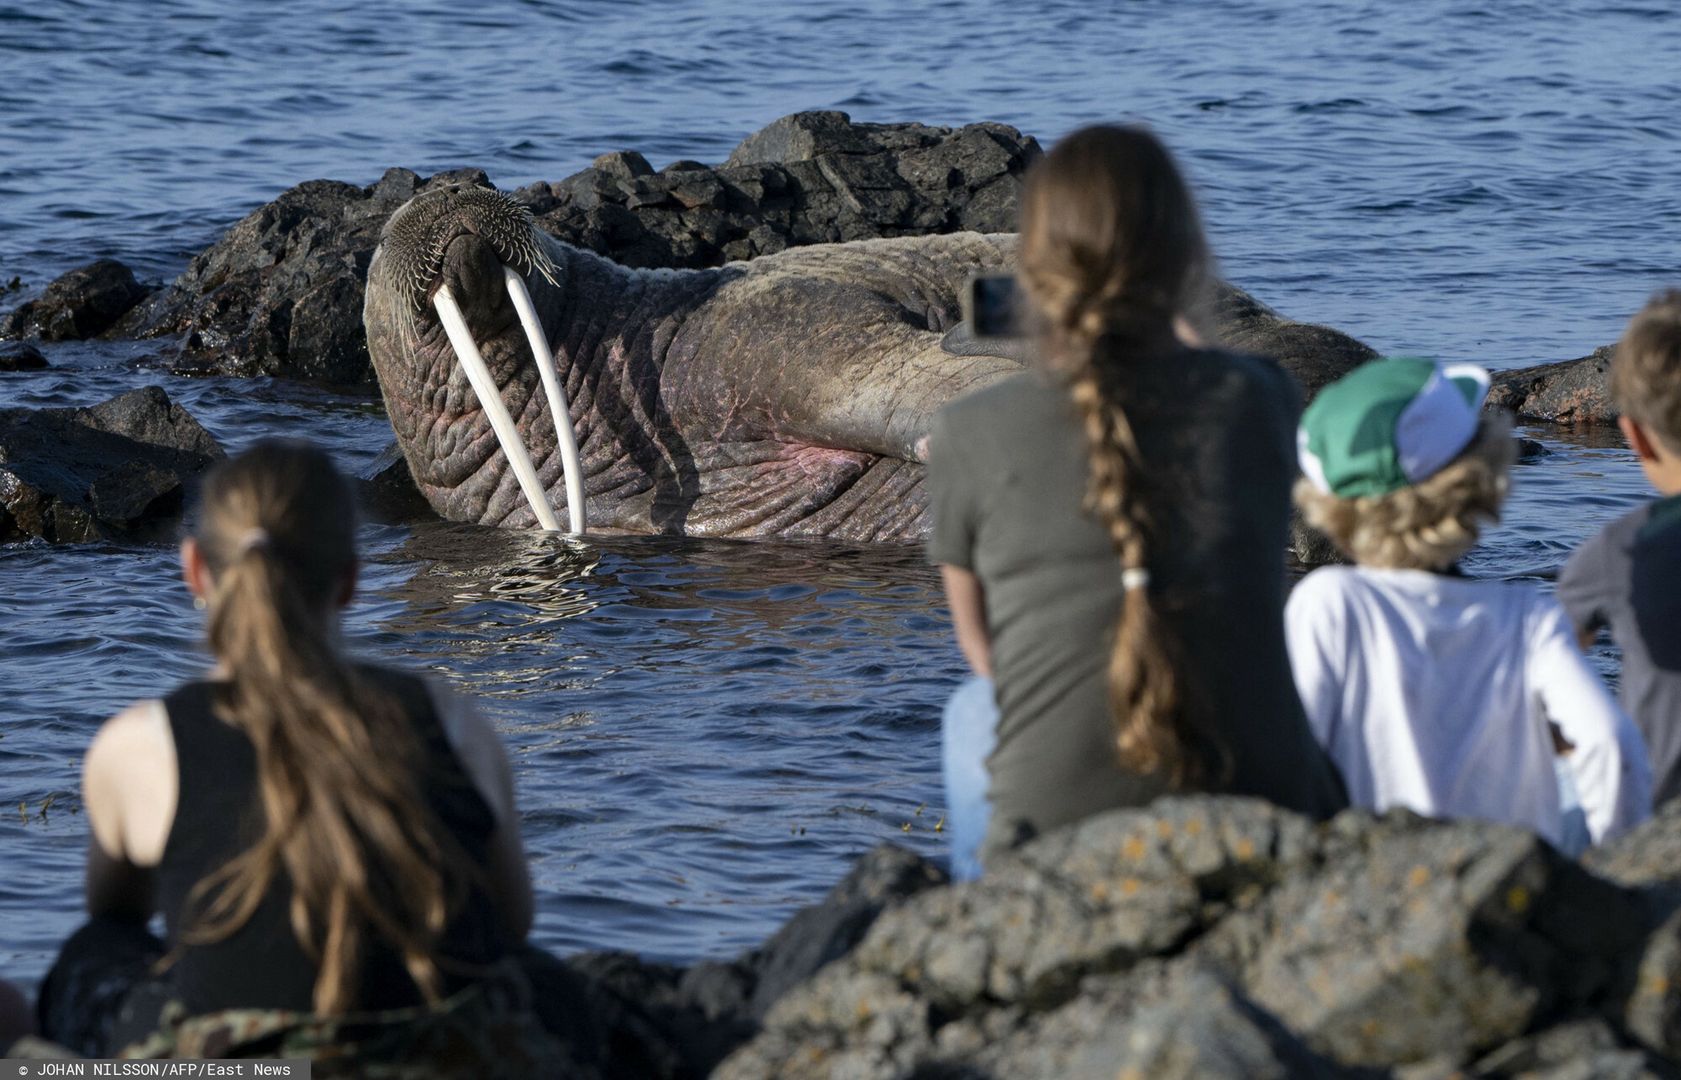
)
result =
(321, 837)
(1110, 526)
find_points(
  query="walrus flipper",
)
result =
(961, 340)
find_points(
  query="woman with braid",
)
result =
(326, 841)
(1111, 524)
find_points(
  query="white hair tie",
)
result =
(1135, 577)
(253, 540)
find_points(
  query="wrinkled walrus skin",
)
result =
(781, 397)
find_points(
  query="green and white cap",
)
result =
(1389, 424)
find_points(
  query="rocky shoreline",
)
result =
(280, 293)
(1202, 938)
(1214, 937)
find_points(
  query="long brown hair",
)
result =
(1112, 253)
(339, 765)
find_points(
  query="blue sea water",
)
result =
(704, 733)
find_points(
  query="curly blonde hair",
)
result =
(1429, 525)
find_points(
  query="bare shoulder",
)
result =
(129, 783)
(135, 740)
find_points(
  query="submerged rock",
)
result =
(21, 356)
(83, 303)
(122, 467)
(1570, 391)
(387, 490)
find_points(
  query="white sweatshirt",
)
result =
(1433, 692)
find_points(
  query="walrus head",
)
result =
(473, 242)
(418, 241)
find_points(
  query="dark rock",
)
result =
(623, 164)
(388, 491)
(992, 208)
(1199, 1028)
(709, 1009)
(809, 178)
(281, 292)
(826, 931)
(1653, 1011)
(1648, 855)
(1587, 1049)
(1571, 391)
(123, 467)
(1417, 938)
(83, 303)
(953, 970)
(1224, 937)
(700, 190)
(801, 137)
(21, 356)
(869, 187)
(1310, 547)
(1317, 355)
(685, 1021)
(1531, 450)
(148, 416)
(604, 1022)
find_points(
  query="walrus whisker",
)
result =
(490, 400)
(559, 408)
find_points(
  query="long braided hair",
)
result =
(1112, 254)
(339, 765)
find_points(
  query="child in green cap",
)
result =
(1628, 577)
(1431, 690)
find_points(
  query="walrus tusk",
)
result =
(490, 400)
(559, 408)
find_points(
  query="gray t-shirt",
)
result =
(1628, 578)
(1007, 477)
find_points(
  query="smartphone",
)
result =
(989, 305)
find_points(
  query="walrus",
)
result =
(784, 397)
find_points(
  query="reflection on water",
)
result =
(755, 713)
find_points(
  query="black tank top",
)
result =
(219, 815)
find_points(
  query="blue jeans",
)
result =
(1573, 837)
(968, 732)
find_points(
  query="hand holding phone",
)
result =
(990, 304)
